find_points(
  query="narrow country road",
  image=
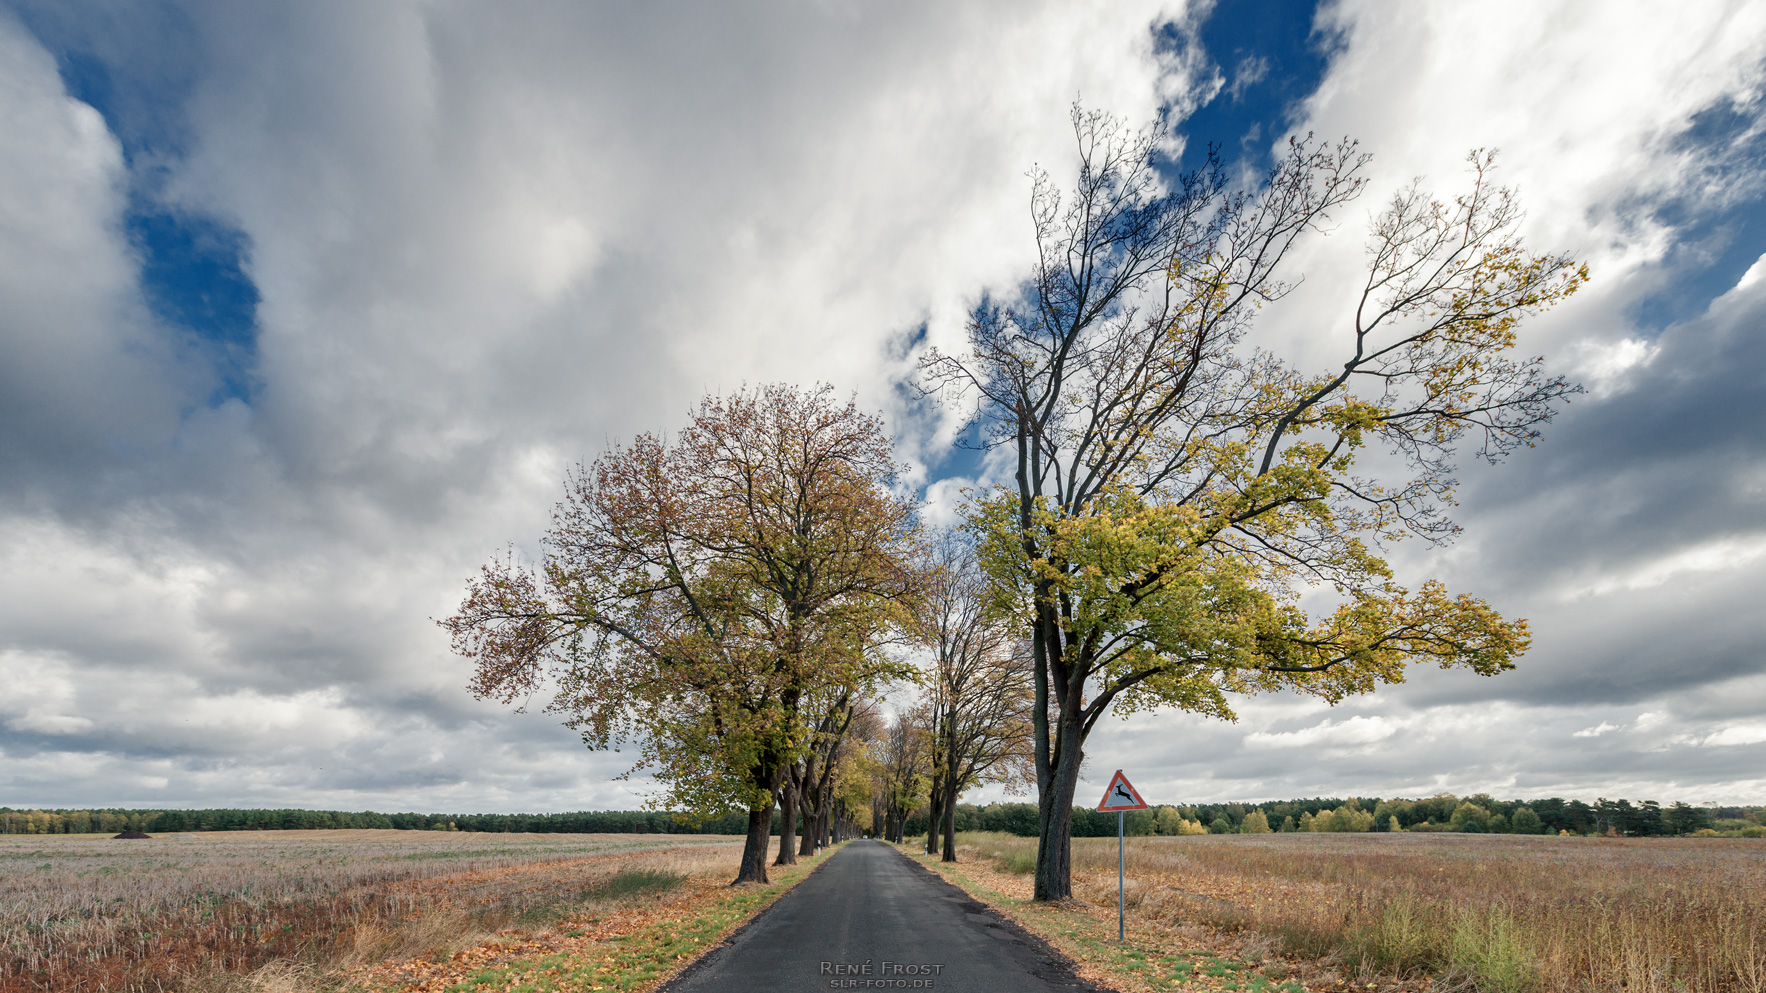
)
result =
(871, 905)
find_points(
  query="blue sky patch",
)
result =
(1271, 60)
(193, 266)
(1716, 241)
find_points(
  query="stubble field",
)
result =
(86, 912)
(1497, 913)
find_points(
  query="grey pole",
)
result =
(1119, 816)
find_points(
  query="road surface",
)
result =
(870, 906)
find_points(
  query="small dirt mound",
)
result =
(134, 834)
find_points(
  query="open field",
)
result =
(183, 911)
(1486, 912)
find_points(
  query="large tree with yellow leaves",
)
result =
(1177, 487)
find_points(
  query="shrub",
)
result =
(1470, 818)
(1526, 821)
(1488, 945)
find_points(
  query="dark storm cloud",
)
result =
(1673, 458)
(1633, 535)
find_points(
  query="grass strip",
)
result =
(635, 960)
(1146, 962)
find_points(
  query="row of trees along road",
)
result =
(1175, 485)
(722, 601)
(716, 602)
(975, 717)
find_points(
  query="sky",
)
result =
(306, 309)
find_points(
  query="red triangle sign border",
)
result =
(1126, 789)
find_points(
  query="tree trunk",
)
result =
(934, 812)
(824, 817)
(950, 821)
(812, 832)
(1054, 845)
(788, 822)
(951, 792)
(760, 825)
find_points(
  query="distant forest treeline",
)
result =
(227, 819)
(1479, 814)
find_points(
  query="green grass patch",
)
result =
(633, 882)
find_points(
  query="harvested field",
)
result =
(184, 911)
(1485, 912)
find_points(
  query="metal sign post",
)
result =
(1120, 814)
(1120, 796)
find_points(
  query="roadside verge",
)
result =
(1152, 960)
(632, 951)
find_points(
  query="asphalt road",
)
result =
(870, 905)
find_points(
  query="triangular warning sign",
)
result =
(1121, 795)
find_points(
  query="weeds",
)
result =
(633, 882)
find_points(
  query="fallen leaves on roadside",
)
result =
(629, 950)
(1164, 953)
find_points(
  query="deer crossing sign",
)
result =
(1121, 795)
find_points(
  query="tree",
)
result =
(856, 776)
(903, 783)
(978, 685)
(1526, 822)
(811, 779)
(1471, 818)
(1175, 487)
(1255, 822)
(1680, 818)
(695, 596)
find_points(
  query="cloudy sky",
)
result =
(305, 309)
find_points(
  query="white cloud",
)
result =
(1601, 366)
(486, 244)
(945, 500)
(1721, 555)
(489, 242)
(50, 723)
(1596, 731)
(1739, 734)
(1327, 734)
(83, 374)
(1584, 108)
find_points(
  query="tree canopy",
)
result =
(695, 595)
(1176, 486)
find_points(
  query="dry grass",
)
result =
(1485, 912)
(637, 929)
(189, 911)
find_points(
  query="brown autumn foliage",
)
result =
(697, 594)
